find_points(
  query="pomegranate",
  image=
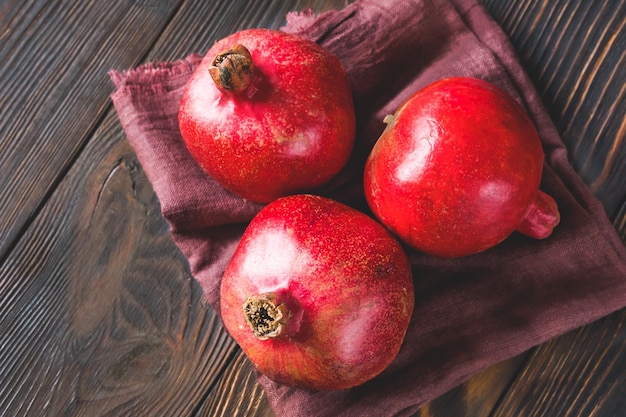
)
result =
(317, 294)
(268, 114)
(457, 170)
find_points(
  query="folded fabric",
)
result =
(471, 312)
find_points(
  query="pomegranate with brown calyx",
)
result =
(317, 294)
(457, 170)
(268, 114)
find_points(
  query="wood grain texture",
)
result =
(198, 25)
(478, 396)
(99, 313)
(587, 380)
(54, 56)
(237, 393)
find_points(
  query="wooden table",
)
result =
(98, 312)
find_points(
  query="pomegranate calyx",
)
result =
(266, 316)
(232, 70)
(541, 218)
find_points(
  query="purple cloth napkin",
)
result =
(471, 312)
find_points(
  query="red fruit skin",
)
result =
(346, 280)
(290, 131)
(457, 170)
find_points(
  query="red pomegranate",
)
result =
(317, 294)
(268, 114)
(457, 170)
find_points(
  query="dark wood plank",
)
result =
(198, 25)
(54, 58)
(579, 374)
(99, 313)
(478, 396)
(237, 393)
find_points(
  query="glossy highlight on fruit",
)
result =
(457, 170)
(268, 114)
(317, 294)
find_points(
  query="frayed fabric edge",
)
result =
(297, 21)
(154, 72)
